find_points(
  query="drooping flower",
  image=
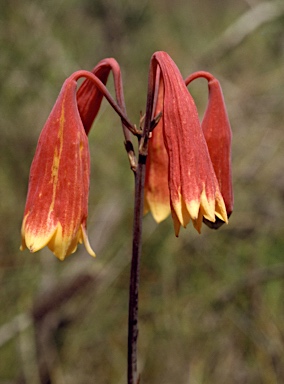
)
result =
(218, 135)
(57, 203)
(194, 192)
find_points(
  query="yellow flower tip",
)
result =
(157, 204)
(181, 211)
(220, 209)
(86, 241)
(220, 217)
(176, 223)
(198, 222)
(61, 246)
(207, 206)
(160, 211)
(65, 246)
(192, 208)
(35, 241)
(23, 245)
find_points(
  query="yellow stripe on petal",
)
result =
(56, 158)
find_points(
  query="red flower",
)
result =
(218, 135)
(193, 187)
(57, 203)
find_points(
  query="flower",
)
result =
(194, 192)
(57, 203)
(218, 135)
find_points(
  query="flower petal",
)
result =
(217, 131)
(156, 194)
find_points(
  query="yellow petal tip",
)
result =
(86, 242)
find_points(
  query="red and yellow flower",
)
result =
(193, 191)
(218, 135)
(57, 203)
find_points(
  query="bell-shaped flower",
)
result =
(194, 191)
(218, 135)
(57, 203)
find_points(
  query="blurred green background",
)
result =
(211, 305)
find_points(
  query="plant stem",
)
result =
(132, 376)
(134, 273)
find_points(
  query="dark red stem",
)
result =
(100, 85)
(132, 377)
(134, 273)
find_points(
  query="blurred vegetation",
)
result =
(211, 305)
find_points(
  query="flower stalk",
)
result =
(150, 123)
(134, 272)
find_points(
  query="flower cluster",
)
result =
(188, 167)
